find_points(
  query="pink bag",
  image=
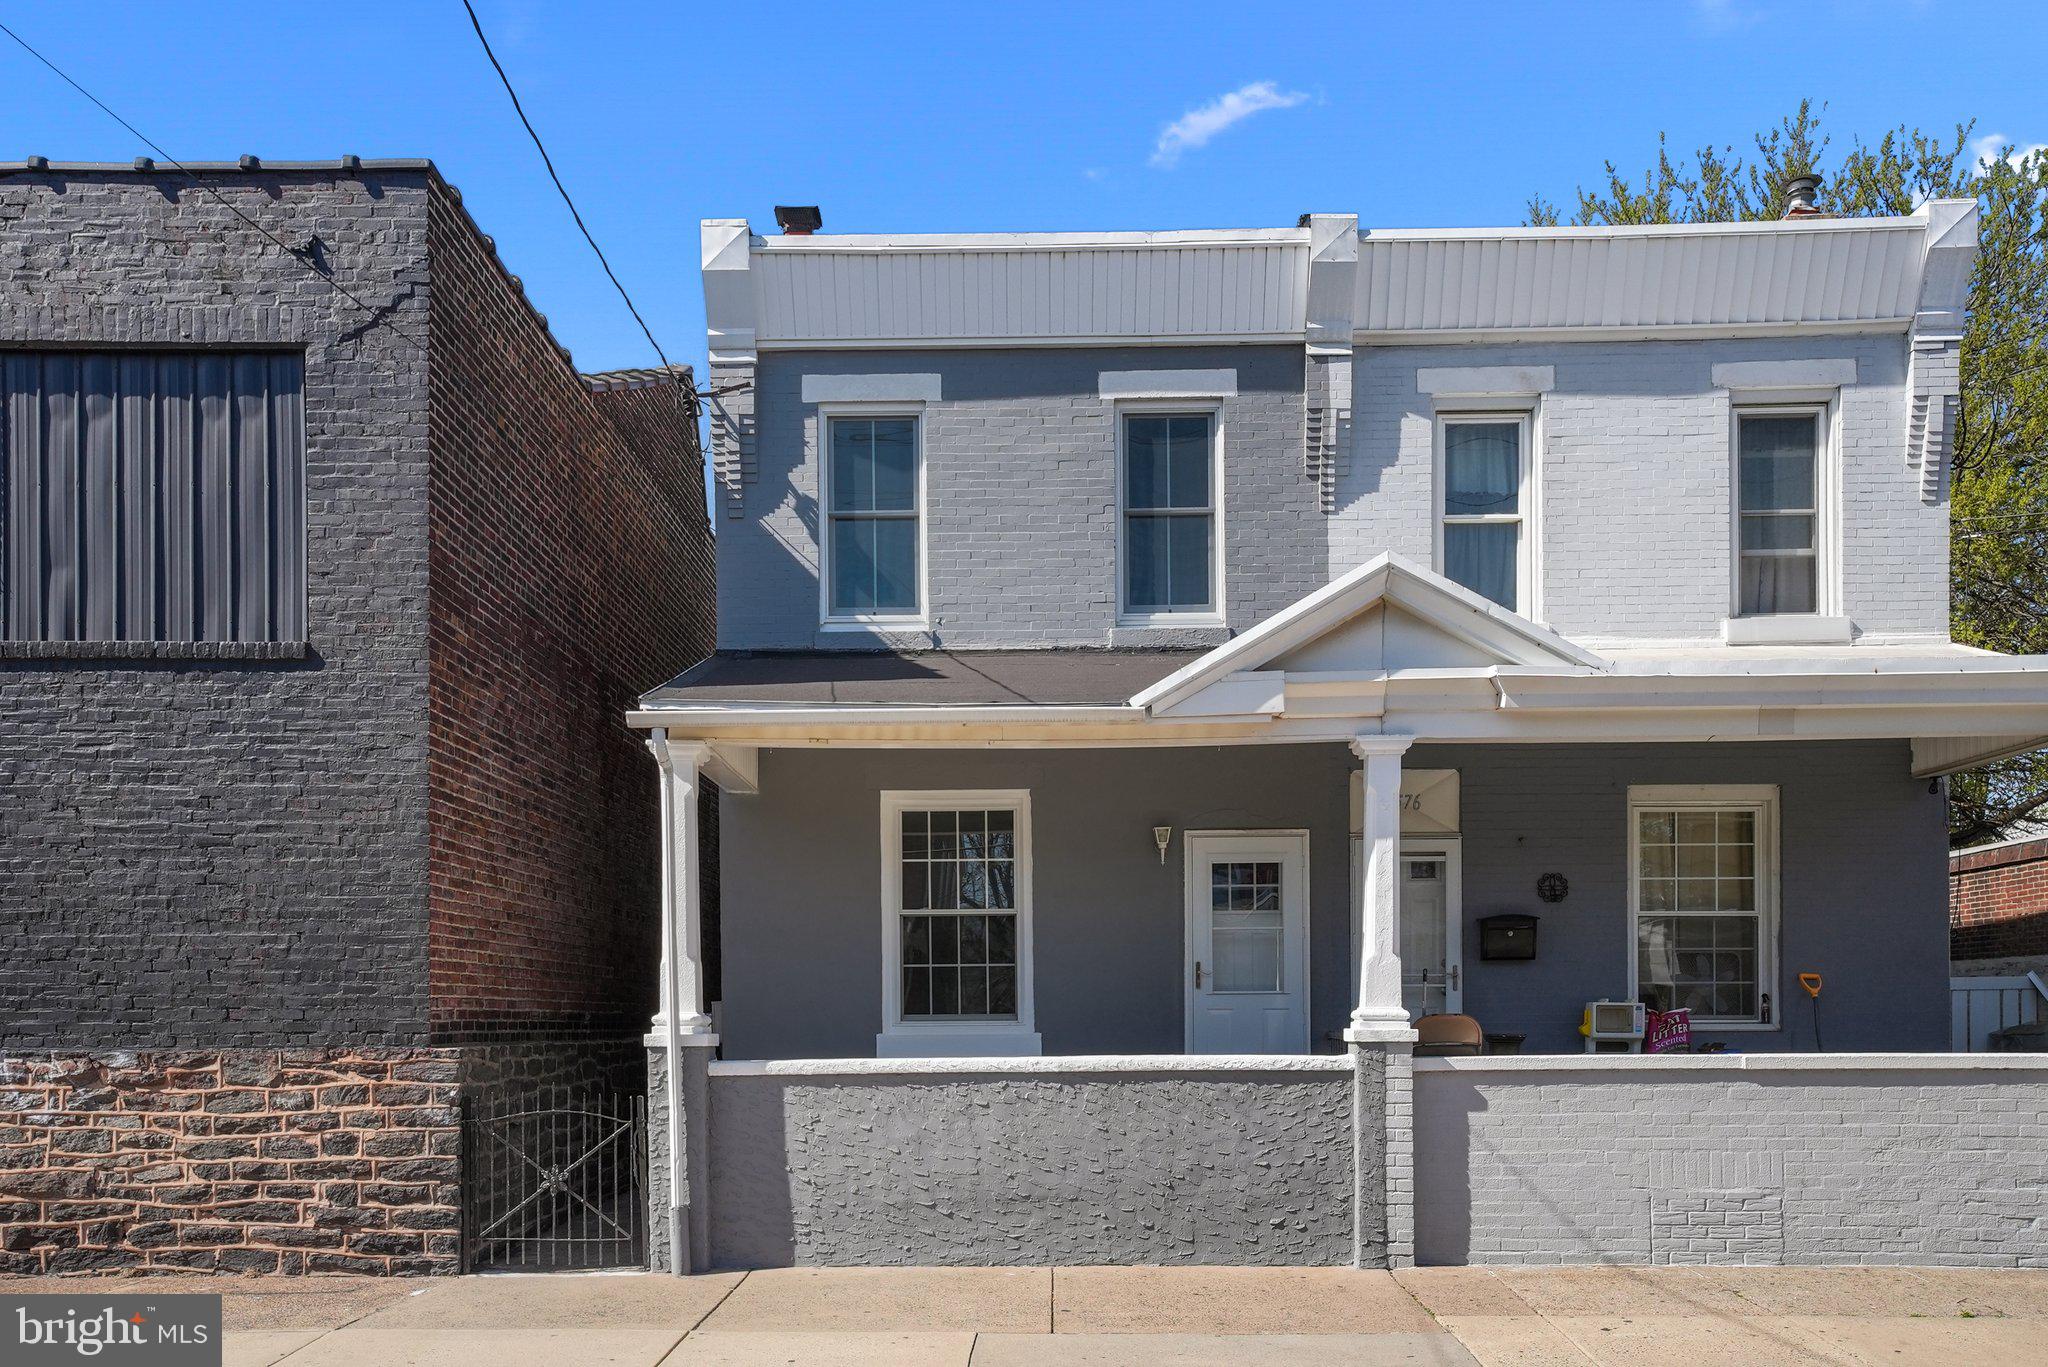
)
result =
(1668, 1032)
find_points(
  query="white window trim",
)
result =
(865, 621)
(945, 1039)
(1798, 627)
(1216, 614)
(1763, 798)
(1528, 560)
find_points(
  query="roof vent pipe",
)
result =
(798, 220)
(1799, 193)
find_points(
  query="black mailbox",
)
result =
(1509, 935)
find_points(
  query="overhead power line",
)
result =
(563, 190)
(295, 253)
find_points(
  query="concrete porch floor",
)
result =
(987, 1317)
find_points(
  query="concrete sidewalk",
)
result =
(1002, 1317)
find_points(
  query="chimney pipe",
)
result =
(798, 220)
(1799, 193)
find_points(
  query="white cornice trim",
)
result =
(1661, 332)
(848, 243)
(1152, 339)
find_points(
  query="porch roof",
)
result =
(1080, 676)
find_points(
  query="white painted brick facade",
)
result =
(1936, 1165)
(1636, 483)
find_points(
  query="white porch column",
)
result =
(1379, 1016)
(681, 1039)
(682, 925)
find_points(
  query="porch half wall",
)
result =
(1032, 1168)
(1761, 1161)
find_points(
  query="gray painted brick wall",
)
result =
(232, 853)
(1863, 885)
(1636, 482)
(1020, 498)
(1636, 499)
(1940, 1164)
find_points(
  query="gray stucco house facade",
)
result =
(1155, 670)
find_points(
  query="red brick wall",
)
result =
(570, 570)
(1998, 901)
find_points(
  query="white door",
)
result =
(1247, 942)
(1431, 924)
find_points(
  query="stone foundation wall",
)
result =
(246, 1160)
(574, 1066)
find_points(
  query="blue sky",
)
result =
(964, 117)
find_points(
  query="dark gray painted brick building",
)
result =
(287, 534)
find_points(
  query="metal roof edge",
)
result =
(145, 166)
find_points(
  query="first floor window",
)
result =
(872, 537)
(1778, 512)
(1484, 462)
(1702, 895)
(956, 914)
(1169, 513)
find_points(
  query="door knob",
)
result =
(1198, 973)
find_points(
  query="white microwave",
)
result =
(1615, 1020)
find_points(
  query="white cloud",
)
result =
(1725, 14)
(1096, 173)
(1985, 150)
(1196, 127)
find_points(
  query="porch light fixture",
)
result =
(1162, 836)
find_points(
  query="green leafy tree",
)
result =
(1999, 476)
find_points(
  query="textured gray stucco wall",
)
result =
(1863, 855)
(1066, 1169)
(1941, 1164)
(1636, 479)
(233, 852)
(1020, 496)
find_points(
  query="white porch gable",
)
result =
(1388, 618)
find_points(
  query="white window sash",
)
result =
(1761, 799)
(939, 1035)
(1824, 532)
(1211, 613)
(1527, 597)
(831, 521)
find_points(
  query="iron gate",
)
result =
(554, 1181)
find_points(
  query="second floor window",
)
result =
(152, 496)
(1485, 543)
(871, 524)
(1169, 514)
(1778, 512)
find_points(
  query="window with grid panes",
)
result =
(958, 914)
(1702, 910)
